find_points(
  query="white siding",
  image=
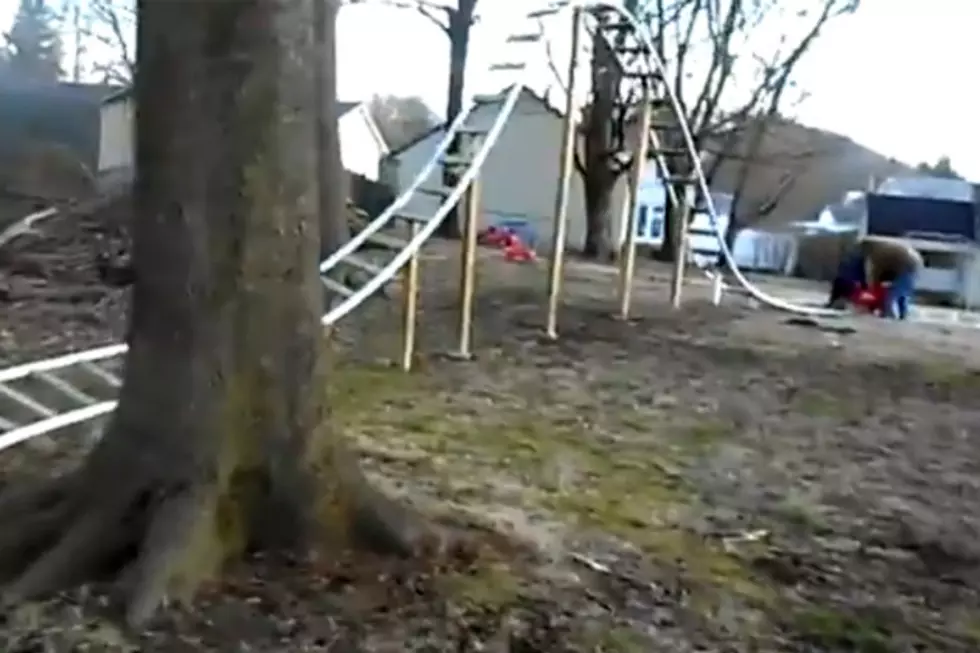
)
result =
(765, 251)
(971, 281)
(360, 150)
(116, 134)
(520, 177)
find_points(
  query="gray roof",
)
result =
(344, 107)
(123, 93)
(937, 188)
(850, 210)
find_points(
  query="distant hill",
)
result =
(825, 166)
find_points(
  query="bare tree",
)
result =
(731, 63)
(605, 149)
(75, 15)
(221, 442)
(112, 24)
(455, 19)
(401, 119)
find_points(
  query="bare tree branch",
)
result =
(119, 18)
(431, 10)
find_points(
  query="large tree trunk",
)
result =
(672, 215)
(458, 29)
(599, 186)
(680, 166)
(221, 442)
(601, 150)
(334, 227)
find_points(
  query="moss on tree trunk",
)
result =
(221, 442)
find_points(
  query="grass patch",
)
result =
(490, 587)
(797, 513)
(702, 436)
(541, 459)
(828, 628)
(619, 640)
(950, 375)
(826, 405)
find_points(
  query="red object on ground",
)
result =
(518, 252)
(495, 237)
(488, 236)
(871, 299)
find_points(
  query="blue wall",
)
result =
(898, 216)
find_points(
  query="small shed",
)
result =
(759, 250)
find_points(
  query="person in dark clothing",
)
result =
(851, 276)
(879, 260)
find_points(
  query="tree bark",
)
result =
(672, 216)
(602, 163)
(680, 166)
(221, 443)
(599, 187)
(458, 30)
(334, 228)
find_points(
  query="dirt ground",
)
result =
(709, 479)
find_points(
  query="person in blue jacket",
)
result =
(880, 260)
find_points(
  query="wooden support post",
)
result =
(565, 168)
(410, 294)
(682, 222)
(467, 284)
(627, 258)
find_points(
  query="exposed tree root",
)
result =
(156, 545)
(19, 501)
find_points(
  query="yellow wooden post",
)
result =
(565, 168)
(627, 258)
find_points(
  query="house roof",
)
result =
(926, 187)
(127, 91)
(34, 112)
(56, 90)
(345, 107)
(496, 98)
(850, 210)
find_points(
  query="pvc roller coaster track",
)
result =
(54, 393)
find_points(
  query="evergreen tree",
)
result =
(33, 47)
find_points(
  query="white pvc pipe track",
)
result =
(660, 66)
(390, 214)
(80, 415)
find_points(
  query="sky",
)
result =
(888, 76)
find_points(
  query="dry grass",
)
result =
(710, 479)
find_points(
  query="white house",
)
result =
(651, 210)
(362, 146)
(520, 177)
